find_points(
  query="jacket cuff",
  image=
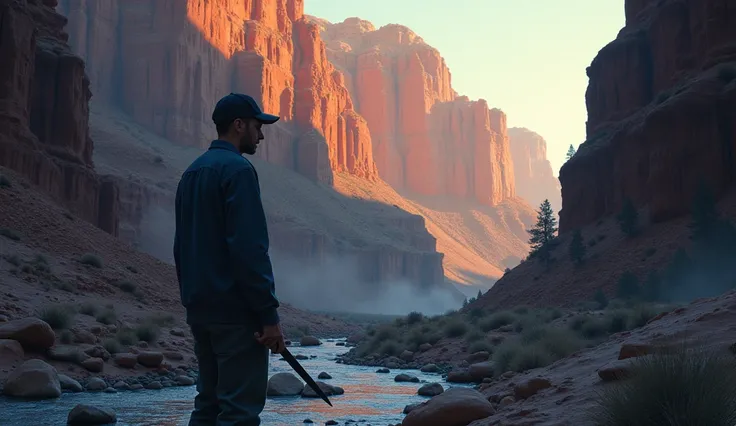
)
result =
(269, 317)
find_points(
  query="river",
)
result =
(372, 397)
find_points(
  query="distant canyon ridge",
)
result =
(416, 183)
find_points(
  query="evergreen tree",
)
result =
(480, 293)
(543, 232)
(601, 299)
(628, 219)
(465, 302)
(577, 248)
(570, 153)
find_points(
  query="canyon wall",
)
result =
(44, 113)
(167, 62)
(535, 180)
(661, 106)
(426, 138)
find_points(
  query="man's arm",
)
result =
(247, 240)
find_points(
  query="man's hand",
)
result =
(272, 338)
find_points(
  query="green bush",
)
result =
(107, 317)
(683, 387)
(90, 259)
(456, 328)
(59, 317)
(499, 319)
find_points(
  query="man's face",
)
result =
(249, 133)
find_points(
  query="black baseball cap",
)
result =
(237, 105)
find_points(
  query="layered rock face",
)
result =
(44, 111)
(166, 63)
(426, 139)
(661, 113)
(535, 180)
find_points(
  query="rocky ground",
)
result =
(92, 307)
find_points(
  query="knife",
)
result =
(304, 375)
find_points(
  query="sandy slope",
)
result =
(476, 240)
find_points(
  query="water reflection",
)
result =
(368, 396)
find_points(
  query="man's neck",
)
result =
(233, 143)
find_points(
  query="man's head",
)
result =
(239, 120)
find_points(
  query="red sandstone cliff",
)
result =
(535, 180)
(661, 113)
(44, 111)
(166, 63)
(425, 138)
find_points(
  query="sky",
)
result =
(525, 57)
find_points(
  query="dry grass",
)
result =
(683, 387)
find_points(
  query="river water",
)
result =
(369, 396)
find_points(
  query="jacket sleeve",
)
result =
(247, 239)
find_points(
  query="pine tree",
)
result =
(543, 233)
(570, 153)
(577, 248)
(465, 302)
(480, 293)
(628, 219)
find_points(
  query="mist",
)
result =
(333, 285)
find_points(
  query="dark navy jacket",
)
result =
(221, 242)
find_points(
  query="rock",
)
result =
(284, 384)
(324, 376)
(331, 422)
(32, 333)
(11, 350)
(96, 384)
(454, 407)
(383, 371)
(69, 384)
(111, 390)
(84, 336)
(407, 355)
(424, 347)
(177, 332)
(459, 376)
(409, 407)
(173, 355)
(150, 359)
(478, 357)
(94, 365)
(184, 380)
(429, 368)
(125, 360)
(481, 370)
(633, 350)
(616, 370)
(154, 385)
(533, 174)
(309, 341)
(66, 353)
(652, 93)
(83, 414)
(329, 390)
(406, 378)
(121, 385)
(430, 389)
(33, 379)
(98, 351)
(507, 400)
(531, 387)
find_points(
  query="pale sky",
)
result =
(526, 57)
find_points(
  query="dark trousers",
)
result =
(233, 376)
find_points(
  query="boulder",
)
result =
(66, 353)
(481, 370)
(94, 365)
(329, 390)
(69, 384)
(309, 341)
(96, 384)
(429, 368)
(403, 377)
(32, 333)
(530, 387)
(150, 359)
(459, 376)
(453, 407)
(125, 360)
(11, 350)
(88, 415)
(479, 356)
(33, 379)
(284, 384)
(324, 376)
(430, 389)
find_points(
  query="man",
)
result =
(224, 270)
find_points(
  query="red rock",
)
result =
(661, 112)
(535, 180)
(44, 112)
(530, 387)
(633, 350)
(402, 87)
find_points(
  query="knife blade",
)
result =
(304, 375)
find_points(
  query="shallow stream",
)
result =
(372, 397)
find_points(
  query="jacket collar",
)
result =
(220, 144)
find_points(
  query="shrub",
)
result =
(628, 219)
(601, 299)
(112, 346)
(126, 337)
(481, 345)
(456, 328)
(126, 286)
(90, 260)
(414, 318)
(474, 336)
(168, 320)
(4, 182)
(148, 332)
(59, 317)
(88, 308)
(683, 387)
(107, 317)
(66, 337)
(390, 348)
(497, 320)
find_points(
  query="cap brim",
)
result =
(267, 118)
